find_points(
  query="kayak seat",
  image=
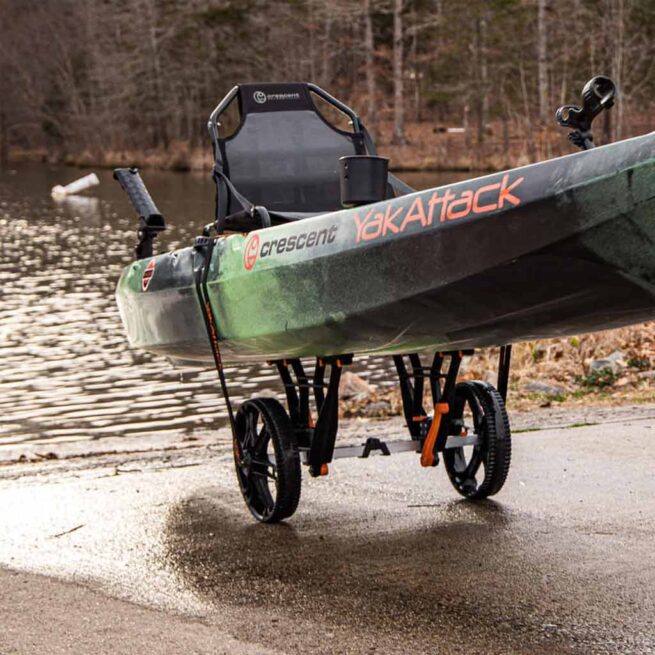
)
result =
(281, 163)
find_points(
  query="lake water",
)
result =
(66, 371)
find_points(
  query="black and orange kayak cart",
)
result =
(466, 426)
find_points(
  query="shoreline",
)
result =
(428, 149)
(165, 161)
(181, 450)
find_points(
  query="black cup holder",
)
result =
(363, 179)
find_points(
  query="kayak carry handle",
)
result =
(151, 220)
(598, 95)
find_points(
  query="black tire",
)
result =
(494, 453)
(270, 486)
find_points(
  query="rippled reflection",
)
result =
(66, 372)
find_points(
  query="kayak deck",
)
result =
(556, 248)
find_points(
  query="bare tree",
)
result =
(398, 73)
(141, 74)
(542, 61)
(617, 11)
(482, 72)
(369, 50)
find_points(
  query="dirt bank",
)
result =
(599, 369)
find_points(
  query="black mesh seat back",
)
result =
(285, 155)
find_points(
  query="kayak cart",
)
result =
(316, 253)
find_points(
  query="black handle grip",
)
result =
(145, 207)
(151, 220)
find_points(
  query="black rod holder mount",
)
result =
(151, 220)
(598, 95)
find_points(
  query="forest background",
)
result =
(442, 84)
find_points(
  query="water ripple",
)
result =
(66, 371)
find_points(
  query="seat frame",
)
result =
(213, 124)
(256, 216)
(253, 216)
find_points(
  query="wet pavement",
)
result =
(381, 556)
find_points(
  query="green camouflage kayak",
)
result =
(555, 248)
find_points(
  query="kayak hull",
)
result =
(557, 248)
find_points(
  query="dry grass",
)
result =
(430, 147)
(562, 363)
(177, 157)
(565, 363)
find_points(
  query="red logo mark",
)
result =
(147, 275)
(251, 252)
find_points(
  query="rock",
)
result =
(615, 362)
(491, 377)
(379, 408)
(617, 356)
(354, 387)
(268, 393)
(646, 375)
(49, 455)
(545, 388)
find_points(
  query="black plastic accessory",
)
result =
(599, 93)
(317, 440)
(504, 363)
(373, 443)
(151, 220)
(363, 179)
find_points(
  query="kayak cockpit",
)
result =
(286, 160)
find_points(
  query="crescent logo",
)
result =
(251, 252)
(259, 97)
(147, 275)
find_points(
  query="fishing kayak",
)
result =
(556, 248)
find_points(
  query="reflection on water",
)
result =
(66, 372)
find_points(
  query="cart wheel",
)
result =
(267, 460)
(480, 410)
